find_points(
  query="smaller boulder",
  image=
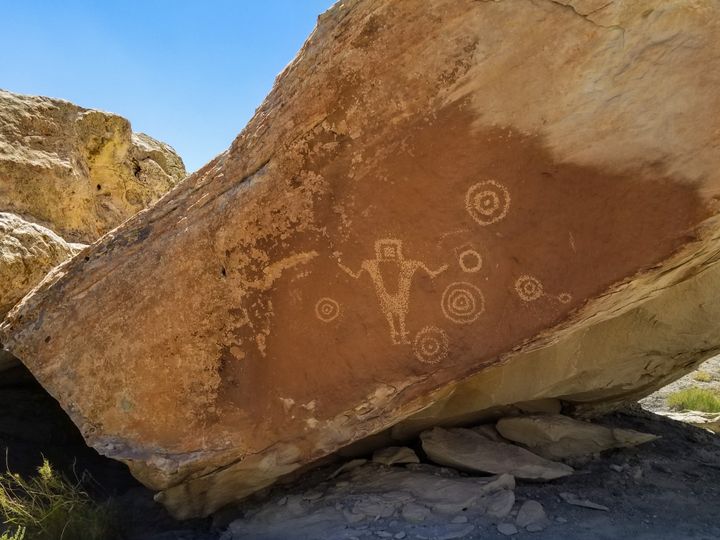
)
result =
(467, 450)
(555, 436)
(27, 253)
(531, 514)
(709, 421)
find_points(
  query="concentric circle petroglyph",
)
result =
(327, 309)
(487, 202)
(431, 345)
(470, 261)
(528, 288)
(462, 302)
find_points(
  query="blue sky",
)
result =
(190, 73)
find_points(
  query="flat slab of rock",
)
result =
(704, 420)
(573, 499)
(395, 455)
(412, 221)
(557, 436)
(384, 501)
(466, 450)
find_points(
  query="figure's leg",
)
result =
(393, 331)
(401, 327)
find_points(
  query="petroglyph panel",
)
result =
(361, 180)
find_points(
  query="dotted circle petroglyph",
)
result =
(470, 261)
(487, 202)
(462, 302)
(327, 309)
(565, 298)
(528, 288)
(431, 345)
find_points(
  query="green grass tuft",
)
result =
(49, 507)
(695, 399)
(703, 376)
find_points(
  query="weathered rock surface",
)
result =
(420, 504)
(466, 450)
(27, 252)
(556, 436)
(78, 171)
(441, 208)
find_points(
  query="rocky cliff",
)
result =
(80, 172)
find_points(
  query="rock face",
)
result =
(441, 208)
(77, 171)
(27, 252)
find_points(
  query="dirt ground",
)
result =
(665, 489)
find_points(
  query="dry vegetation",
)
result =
(695, 399)
(49, 507)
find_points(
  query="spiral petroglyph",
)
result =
(327, 309)
(487, 202)
(528, 288)
(431, 345)
(462, 302)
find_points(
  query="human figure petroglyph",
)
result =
(390, 261)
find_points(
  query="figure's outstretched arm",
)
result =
(434, 273)
(350, 272)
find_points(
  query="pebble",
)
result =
(414, 513)
(508, 529)
(400, 535)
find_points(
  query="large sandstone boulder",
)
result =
(80, 172)
(27, 252)
(442, 207)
